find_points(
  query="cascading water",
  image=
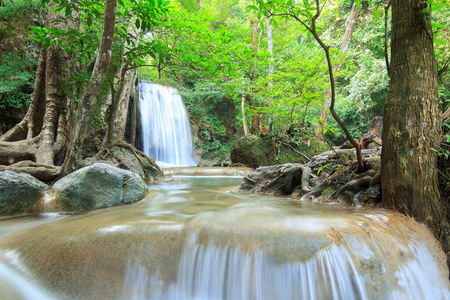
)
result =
(196, 241)
(166, 130)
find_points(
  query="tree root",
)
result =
(288, 181)
(42, 172)
(136, 152)
(354, 185)
(12, 152)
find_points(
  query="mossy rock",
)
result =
(99, 186)
(268, 150)
(19, 192)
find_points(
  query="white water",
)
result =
(217, 272)
(196, 241)
(166, 130)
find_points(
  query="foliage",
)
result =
(134, 18)
(10, 9)
(17, 68)
(16, 79)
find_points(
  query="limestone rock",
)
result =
(19, 192)
(99, 186)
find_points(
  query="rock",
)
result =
(370, 196)
(125, 156)
(99, 186)
(19, 192)
(267, 150)
(276, 180)
(252, 151)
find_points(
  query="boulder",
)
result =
(277, 180)
(252, 151)
(125, 156)
(267, 150)
(19, 192)
(99, 186)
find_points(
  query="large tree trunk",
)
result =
(345, 44)
(42, 132)
(411, 124)
(93, 90)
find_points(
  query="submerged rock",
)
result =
(19, 192)
(99, 186)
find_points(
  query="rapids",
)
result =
(198, 240)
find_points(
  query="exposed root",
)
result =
(40, 171)
(376, 179)
(136, 152)
(354, 185)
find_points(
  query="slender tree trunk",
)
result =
(120, 120)
(411, 124)
(254, 34)
(93, 90)
(244, 121)
(345, 44)
(270, 73)
(134, 112)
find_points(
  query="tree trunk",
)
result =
(411, 124)
(244, 121)
(42, 132)
(93, 90)
(134, 112)
(345, 44)
(270, 73)
(254, 129)
(120, 120)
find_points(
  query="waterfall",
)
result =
(223, 272)
(166, 129)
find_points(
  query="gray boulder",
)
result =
(277, 180)
(99, 186)
(19, 192)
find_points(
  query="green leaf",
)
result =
(436, 41)
(437, 7)
(437, 25)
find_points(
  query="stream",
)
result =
(199, 239)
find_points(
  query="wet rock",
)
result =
(99, 186)
(125, 156)
(369, 196)
(19, 192)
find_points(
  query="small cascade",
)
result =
(225, 272)
(218, 272)
(166, 129)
